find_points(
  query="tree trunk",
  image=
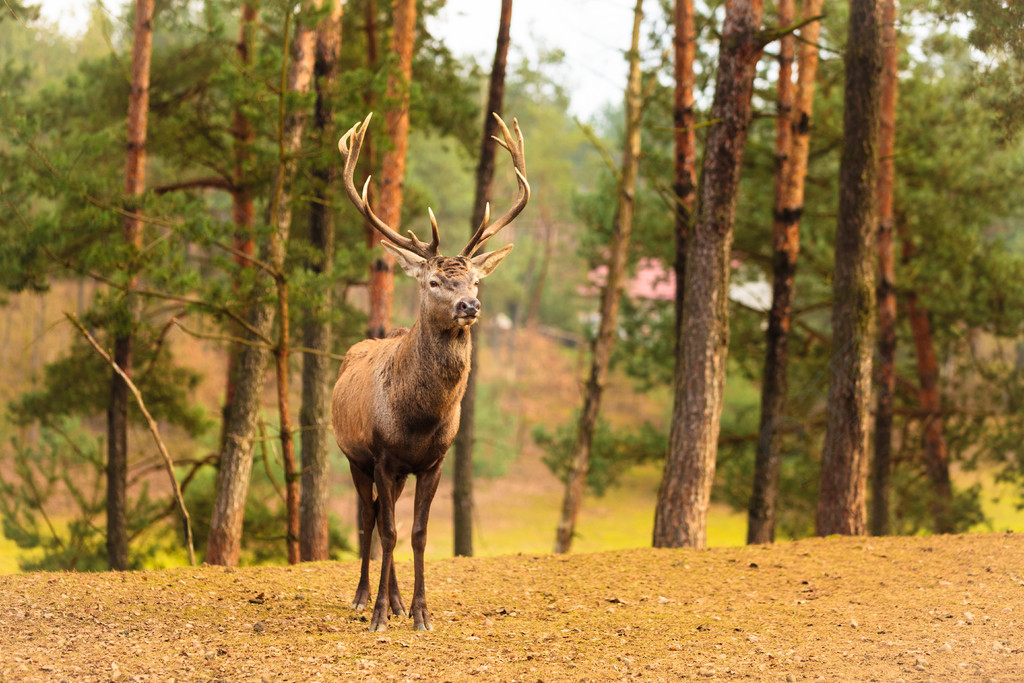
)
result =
(761, 514)
(685, 166)
(235, 465)
(314, 415)
(462, 493)
(936, 456)
(236, 458)
(685, 141)
(685, 180)
(612, 292)
(792, 147)
(367, 158)
(242, 212)
(392, 173)
(885, 378)
(844, 461)
(124, 341)
(685, 493)
(300, 77)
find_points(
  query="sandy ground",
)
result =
(837, 609)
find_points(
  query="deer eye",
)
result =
(476, 283)
(435, 283)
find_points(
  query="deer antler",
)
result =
(518, 151)
(350, 155)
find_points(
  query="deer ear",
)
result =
(486, 263)
(411, 263)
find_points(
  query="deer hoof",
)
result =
(424, 627)
(358, 606)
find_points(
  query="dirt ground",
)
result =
(837, 609)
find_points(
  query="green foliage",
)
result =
(77, 385)
(913, 496)
(65, 470)
(613, 451)
(646, 349)
(496, 433)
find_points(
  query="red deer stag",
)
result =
(396, 402)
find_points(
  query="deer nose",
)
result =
(467, 306)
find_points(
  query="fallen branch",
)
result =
(187, 521)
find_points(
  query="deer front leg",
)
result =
(386, 489)
(426, 487)
(367, 521)
(394, 596)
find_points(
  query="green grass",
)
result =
(525, 521)
(1000, 501)
(8, 556)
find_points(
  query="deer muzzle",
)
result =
(467, 309)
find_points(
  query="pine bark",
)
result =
(792, 150)
(683, 499)
(604, 341)
(314, 414)
(885, 377)
(235, 464)
(124, 342)
(684, 186)
(462, 493)
(392, 173)
(844, 467)
(242, 212)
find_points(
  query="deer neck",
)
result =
(433, 365)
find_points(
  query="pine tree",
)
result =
(844, 468)
(124, 343)
(886, 373)
(392, 174)
(610, 294)
(462, 492)
(792, 149)
(314, 415)
(684, 496)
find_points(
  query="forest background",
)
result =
(958, 219)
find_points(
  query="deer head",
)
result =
(448, 285)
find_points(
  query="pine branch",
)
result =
(211, 182)
(153, 428)
(770, 35)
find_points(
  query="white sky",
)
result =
(593, 34)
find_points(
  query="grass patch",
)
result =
(1000, 501)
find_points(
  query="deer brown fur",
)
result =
(396, 403)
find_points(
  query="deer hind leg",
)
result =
(426, 487)
(367, 521)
